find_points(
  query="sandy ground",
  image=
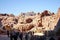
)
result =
(5, 37)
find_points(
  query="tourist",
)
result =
(20, 35)
(8, 33)
(14, 34)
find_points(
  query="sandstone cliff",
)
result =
(30, 21)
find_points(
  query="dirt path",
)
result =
(4, 37)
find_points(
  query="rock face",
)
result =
(7, 19)
(45, 21)
(58, 13)
(36, 22)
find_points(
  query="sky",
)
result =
(17, 6)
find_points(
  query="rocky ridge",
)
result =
(30, 21)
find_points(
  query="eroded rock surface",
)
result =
(37, 22)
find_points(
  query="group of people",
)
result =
(15, 34)
(18, 35)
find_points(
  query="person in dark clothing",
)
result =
(29, 36)
(8, 33)
(51, 38)
(11, 34)
(20, 35)
(24, 36)
(14, 34)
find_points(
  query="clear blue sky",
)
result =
(17, 6)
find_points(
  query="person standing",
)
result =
(20, 35)
(14, 34)
(7, 33)
(11, 34)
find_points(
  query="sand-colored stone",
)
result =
(41, 22)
